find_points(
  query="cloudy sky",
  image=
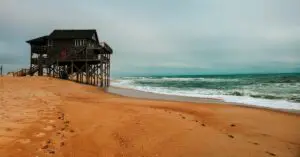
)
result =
(165, 37)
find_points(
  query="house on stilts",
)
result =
(71, 54)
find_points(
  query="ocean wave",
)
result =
(136, 78)
(199, 79)
(248, 95)
(122, 83)
(180, 79)
(279, 90)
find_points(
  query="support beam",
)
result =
(97, 73)
(1, 70)
(108, 70)
(86, 72)
(72, 68)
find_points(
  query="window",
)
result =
(75, 42)
(79, 42)
(50, 42)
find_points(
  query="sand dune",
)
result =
(42, 116)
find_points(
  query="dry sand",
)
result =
(42, 116)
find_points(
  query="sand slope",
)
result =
(48, 117)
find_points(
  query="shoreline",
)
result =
(133, 93)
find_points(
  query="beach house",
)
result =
(71, 54)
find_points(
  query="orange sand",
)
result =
(47, 117)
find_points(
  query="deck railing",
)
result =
(106, 46)
(39, 49)
(75, 54)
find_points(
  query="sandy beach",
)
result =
(42, 116)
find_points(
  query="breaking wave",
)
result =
(274, 91)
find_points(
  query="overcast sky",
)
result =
(165, 37)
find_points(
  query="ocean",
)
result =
(280, 91)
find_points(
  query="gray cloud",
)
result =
(172, 36)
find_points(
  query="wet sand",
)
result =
(42, 116)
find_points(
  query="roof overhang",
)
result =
(39, 41)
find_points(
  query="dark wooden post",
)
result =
(1, 70)
(82, 74)
(53, 70)
(104, 73)
(98, 68)
(107, 66)
(94, 75)
(40, 65)
(48, 71)
(72, 64)
(109, 70)
(97, 76)
(86, 72)
(57, 68)
(77, 79)
(101, 75)
(91, 75)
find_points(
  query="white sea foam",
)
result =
(212, 93)
(197, 79)
(153, 79)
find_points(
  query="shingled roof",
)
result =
(39, 40)
(73, 34)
